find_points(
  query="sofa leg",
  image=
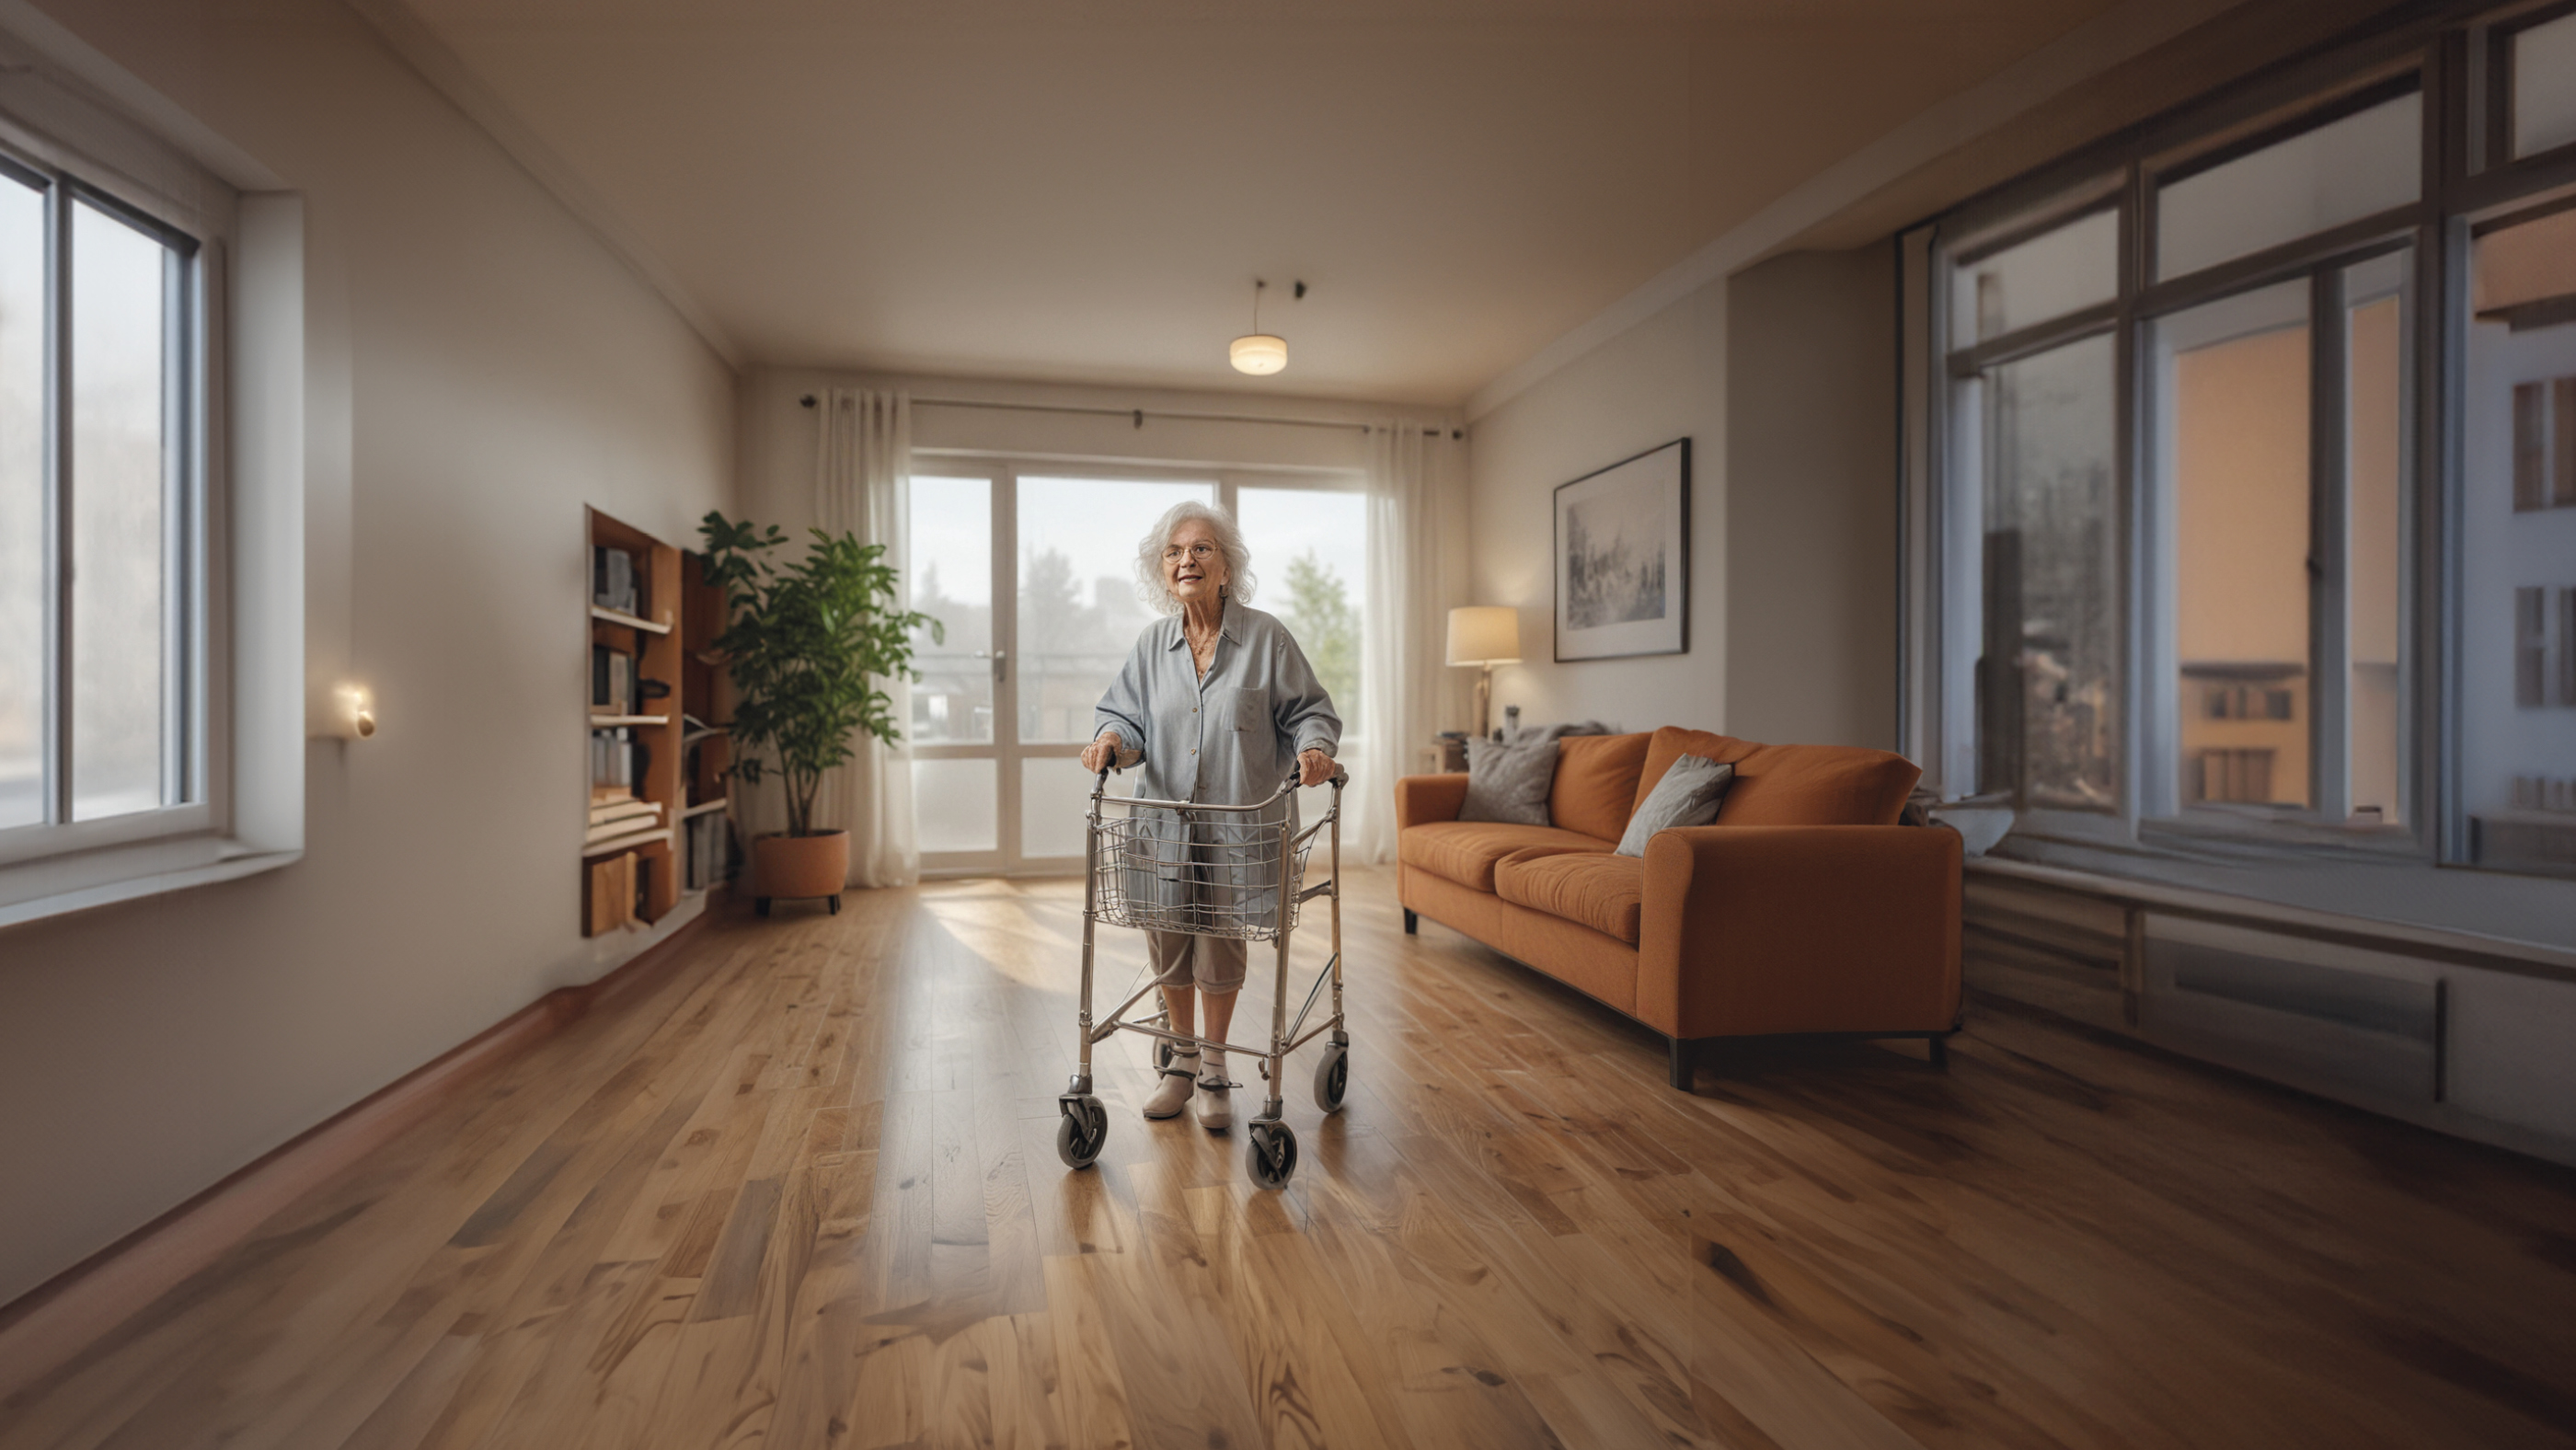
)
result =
(1410, 921)
(1941, 1052)
(1680, 1062)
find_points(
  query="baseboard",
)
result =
(46, 1326)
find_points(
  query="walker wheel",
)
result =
(1080, 1133)
(1332, 1077)
(1271, 1154)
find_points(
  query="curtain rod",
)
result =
(1137, 416)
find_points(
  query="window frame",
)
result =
(64, 864)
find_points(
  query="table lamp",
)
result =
(1484, 635)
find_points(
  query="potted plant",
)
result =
(803, 642)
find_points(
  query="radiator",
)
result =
(2348, 1022)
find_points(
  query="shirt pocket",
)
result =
(1250, 706)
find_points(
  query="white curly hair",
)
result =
(1150, 588)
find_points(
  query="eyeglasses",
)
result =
(1199, 553)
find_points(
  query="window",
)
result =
(1031, 568)
(2340, 171)
(2543, 71)
(2048, 683)
(2215, 570)
(102, 720)
(2518, 519)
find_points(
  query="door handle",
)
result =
(1001, 665)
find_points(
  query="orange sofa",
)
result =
(1804, 909)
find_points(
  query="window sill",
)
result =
(35, 890)
(2237, 834)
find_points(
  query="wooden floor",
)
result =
(804, 1193)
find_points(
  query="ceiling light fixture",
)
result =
(1257, 352)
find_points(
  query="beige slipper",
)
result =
(1173, 1093)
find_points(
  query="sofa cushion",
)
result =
(1690, 793)
(1596, 783)
(1792, 785)
(1601, 892)
(1466, 851)
(1508, 783)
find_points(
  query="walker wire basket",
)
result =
(1159, 870)
(1221, 871)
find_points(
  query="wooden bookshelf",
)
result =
(706, 747)
(629, 621)
(636, 876)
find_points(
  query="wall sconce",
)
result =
(353, 713)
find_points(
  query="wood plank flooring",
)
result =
(804, 1193)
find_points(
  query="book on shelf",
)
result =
(612, 579)
(628, 808)
(708, 840)
(627, 826)
(614, 687)
(617, 758)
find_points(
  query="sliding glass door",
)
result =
(1032, 569)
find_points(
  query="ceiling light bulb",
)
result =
(1259, 354)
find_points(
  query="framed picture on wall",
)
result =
(1623, 558)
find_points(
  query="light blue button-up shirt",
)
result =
(1231, 737)
(1227, 739)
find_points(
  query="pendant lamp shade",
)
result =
(1256, 352)
(1259, 354)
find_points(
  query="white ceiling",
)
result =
(1052, 189)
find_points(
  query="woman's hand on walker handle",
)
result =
(1314, 767)
(1096, 756)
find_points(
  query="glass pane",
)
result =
(2517, 644)
(956, 804)
(2067, 270)
(2233, 391)
(1055, 797)
(2544, 86)
(1079, 612)
(120, 517)
(2366, 162)
(950, 554)
(22, 505)
(2374, 440)
(2048, 718)
(1310, 548)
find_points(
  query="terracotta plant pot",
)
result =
(800, 866)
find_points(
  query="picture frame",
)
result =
(1621, 548)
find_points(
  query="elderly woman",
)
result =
(1218, 725)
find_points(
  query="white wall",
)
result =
(1812, 502)
(482, 369)
(1783, 377)
(1660, 380)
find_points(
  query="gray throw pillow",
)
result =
(1509, 782)
(1690, 793)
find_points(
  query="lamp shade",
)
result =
(1259, 353)
(1484, 634)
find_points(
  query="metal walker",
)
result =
(1209, 871)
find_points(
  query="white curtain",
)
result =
(860, 485)
(1404, 682)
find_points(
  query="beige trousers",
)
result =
(1212, 963)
